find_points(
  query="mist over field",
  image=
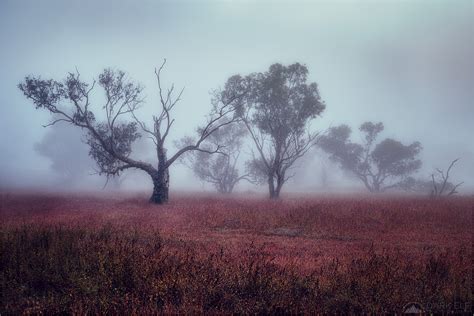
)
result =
(228, 157)
(406, 64)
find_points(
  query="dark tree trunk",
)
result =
(161, 179)
(230, 187)
(376, 188)
(372, 186)
(278, 187)
(224, 187)
(271, 188)
(160, 187)
(275, 195)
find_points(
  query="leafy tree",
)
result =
(373, 164)
(220, 170)
(110, 140)
(277, 112)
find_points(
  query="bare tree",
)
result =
(440, 184)
(110, 141)
(277, 112)
(373, 164)
(220, 170)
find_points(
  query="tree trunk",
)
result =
(376, 187)
(226, 189)
(230, 187)
(271, 188)
(160, 187)
(278, 187)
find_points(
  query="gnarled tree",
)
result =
(277, 112)
(373, 164)
(110, 140)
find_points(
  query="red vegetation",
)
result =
(209, 254)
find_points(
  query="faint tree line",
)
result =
(274, 110)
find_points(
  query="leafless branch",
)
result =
(444, 177)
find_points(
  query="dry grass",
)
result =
(206, 254)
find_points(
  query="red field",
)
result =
(84, 253)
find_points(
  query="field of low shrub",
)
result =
(205, 254)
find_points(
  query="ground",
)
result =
(247, 254)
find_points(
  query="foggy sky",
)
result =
(408, 64)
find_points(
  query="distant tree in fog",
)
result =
(277, 112)
(110, 140)
(379, 166)
(416, 185)
(220, 170)
(438, 186)
(324, 176)
(69, 158)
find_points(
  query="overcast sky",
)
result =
(408, 64)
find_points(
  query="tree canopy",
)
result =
(277, 112)
(379, 166)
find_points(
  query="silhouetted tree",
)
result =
(110, 140)
(220, 170)
(373, 164)
(277, 112)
